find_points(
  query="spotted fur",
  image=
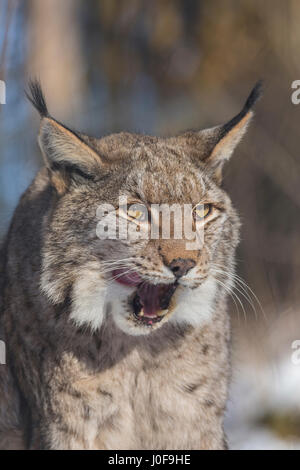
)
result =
(81, 374)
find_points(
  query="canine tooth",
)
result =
(141, 314)
(162, 312)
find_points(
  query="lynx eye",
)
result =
(201, 211)
(137, 212)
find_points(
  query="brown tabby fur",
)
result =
(80, 374)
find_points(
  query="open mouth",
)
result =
(150, 302)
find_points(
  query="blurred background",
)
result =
(161, 67)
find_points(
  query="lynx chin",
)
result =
(118, 343)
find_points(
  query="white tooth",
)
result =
(141, 314)
(162, 312)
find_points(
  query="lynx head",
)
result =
(143, 281)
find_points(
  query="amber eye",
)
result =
(201, 211)
(137, 212)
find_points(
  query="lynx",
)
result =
(118, 343)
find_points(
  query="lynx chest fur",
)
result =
(162, 395)
(117, 267)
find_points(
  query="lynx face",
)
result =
(158, 280)
(143, 282)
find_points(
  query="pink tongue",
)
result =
(128, 279)
(150, 295)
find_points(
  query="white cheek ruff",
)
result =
(118, 297)
(195, 306)
(91, 295)
(89, 299)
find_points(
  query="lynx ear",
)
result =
(223, 139)
(215, 145)
(66, 153)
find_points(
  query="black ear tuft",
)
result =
(36, 97)
(251, 100)
(254, 96)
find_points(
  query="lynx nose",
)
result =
(181, 266)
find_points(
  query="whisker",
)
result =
(113, 262)
(244, 286)
(241, 289)
(120, 275)
(229, 292)
(113, 268)
(236, 296)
